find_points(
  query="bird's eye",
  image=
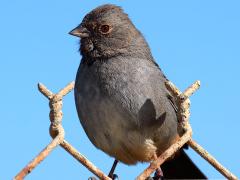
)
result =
(104, 29)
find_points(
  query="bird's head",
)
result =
(105, 32)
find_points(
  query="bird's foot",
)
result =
(92, 178)
(158, 175)
(114, 177)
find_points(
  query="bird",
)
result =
(120, 94)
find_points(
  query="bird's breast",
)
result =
(113, 99)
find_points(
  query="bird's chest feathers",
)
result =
(117, 83)
(118, 78)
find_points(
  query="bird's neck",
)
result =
(138, 48)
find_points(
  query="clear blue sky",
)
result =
(190, 40)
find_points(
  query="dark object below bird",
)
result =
(182, 167)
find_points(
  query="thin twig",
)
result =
(43, 89)
(66, 89)
(84, 161)
(57, 133)
(202, 152)
(191, 89)
(173, 89)
(39, 158)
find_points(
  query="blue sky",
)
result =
(190, 40)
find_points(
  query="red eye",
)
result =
(105, 29)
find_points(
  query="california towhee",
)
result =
(120, 94)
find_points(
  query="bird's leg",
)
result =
(158, 175)
(111, 173)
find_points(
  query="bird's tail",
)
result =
(181, 167)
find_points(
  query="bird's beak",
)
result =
(79, 31)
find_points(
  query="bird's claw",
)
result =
(114, 177)
(92, 178)
(158, 175)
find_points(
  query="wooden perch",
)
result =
(57, 133)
